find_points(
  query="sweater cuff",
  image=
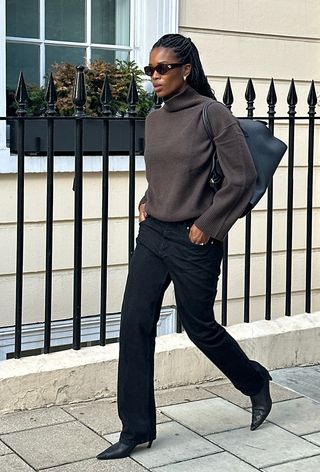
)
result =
(210, 229)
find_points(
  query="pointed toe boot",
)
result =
(261, 405)
(119, 450)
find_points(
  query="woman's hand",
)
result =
(142, 212)
(197, 236)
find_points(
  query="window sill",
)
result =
(38, 164)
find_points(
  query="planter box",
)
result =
(64, 138)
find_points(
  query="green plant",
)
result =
(119, 75)
(36, 101)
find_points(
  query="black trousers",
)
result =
(163, 254)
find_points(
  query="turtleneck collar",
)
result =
(186, 98)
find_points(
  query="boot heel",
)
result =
(149, 444)
(270, 378)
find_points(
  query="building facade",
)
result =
(237, 39)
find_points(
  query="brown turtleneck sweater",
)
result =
(178, 156)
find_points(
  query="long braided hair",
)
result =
(187, 53)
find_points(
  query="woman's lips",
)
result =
(156, 87)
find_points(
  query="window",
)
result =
(42, 32)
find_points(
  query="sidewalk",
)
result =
(202, 428)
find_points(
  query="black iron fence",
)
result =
(79, 119)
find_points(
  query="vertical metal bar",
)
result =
(312, 101)
(309, 216)
(49, 227)
(269, 251)
(247, 269)
(179, 324)
(21, 97)
(78, 233)
(51, 98)
(228, 101)
(224, 302)
(250, 97)
(20, 239)
(132, 169)
(292, 101)
(104, 230)
(133, 99)
(79, 100)
(271, 100)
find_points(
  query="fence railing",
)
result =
(106, 119)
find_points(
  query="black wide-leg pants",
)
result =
(163, 254)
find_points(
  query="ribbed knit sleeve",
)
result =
(239, 174)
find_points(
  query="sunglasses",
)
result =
(160, 68)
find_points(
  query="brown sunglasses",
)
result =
(160, 68)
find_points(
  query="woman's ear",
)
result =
(186, 70)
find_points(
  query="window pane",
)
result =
(23, 18)
(64, 54)
(25, 58)
(109, 56)
(111, 22)
(65, 20)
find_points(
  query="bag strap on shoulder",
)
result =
(205, 120)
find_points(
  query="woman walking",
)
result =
(182, 226)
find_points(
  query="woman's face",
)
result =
(171, 82)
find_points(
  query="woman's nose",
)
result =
(155, 74)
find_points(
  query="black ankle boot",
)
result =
(119, 450)
(261, 404)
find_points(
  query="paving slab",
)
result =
(228, 392)
(13, 463)
(220, 462)
(93, 465)
(174, 443)
(300, 416)
(314, 438)
(269, 445)
(208, 416)
(23, 420)
(4, 449)
(305, 380)
(55, 445)
(311, 464)
(102, 416)
(177, 395)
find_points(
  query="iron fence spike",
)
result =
(106, 97)
(79, 91)
(250, 94)
(312, 96)
(272, 96)
(228, 95)
(157, 101)
(133, 97)
(51, 94)
(21, 96)
(51, 97)
(292, 99)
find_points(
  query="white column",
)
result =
(152, 19)
(4, 152)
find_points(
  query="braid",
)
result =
(187, 53)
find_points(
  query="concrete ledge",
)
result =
(74, 376)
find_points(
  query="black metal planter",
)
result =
(64, 136)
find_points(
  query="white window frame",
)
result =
(87, 44)
(149, 20)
